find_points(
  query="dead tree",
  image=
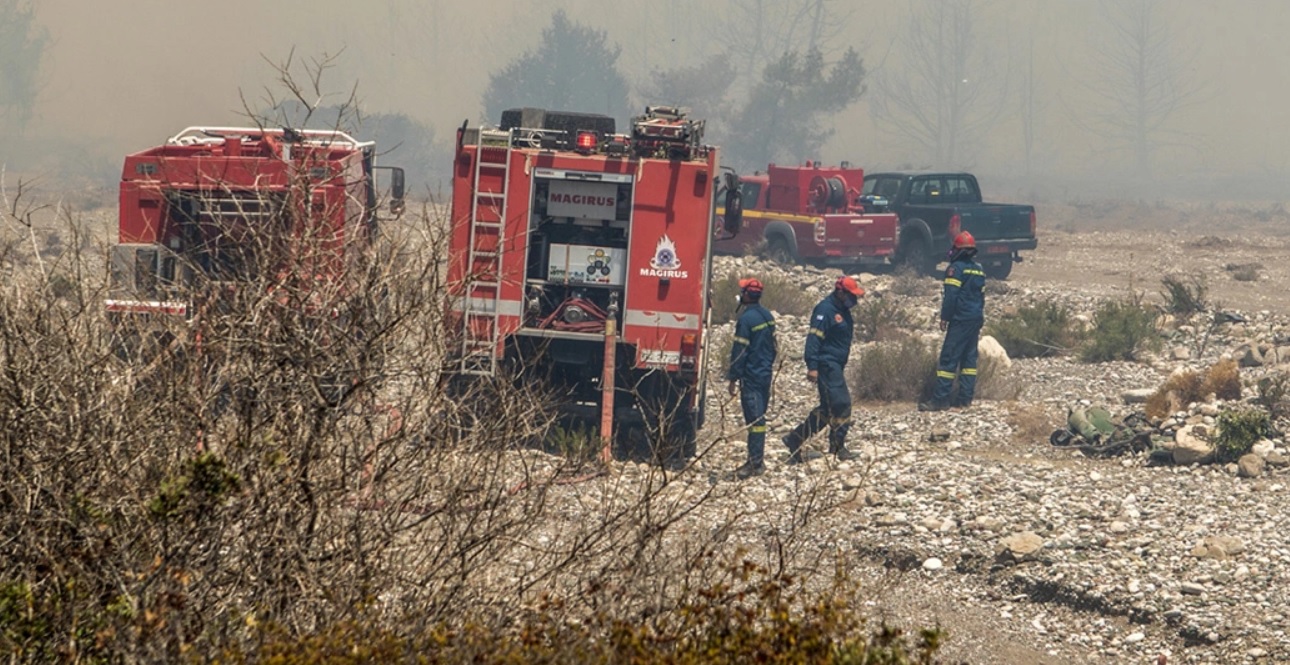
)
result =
(945, 92)
(1139, 77)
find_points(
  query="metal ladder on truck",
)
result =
(482, 298)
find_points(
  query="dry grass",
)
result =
(908, 282)
(904, 370)
(1222, 380)
(781, 295)
(1032, 423)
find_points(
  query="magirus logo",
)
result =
(665, 262)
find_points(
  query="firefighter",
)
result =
(752, 358)
(962, 314)
(828, 344)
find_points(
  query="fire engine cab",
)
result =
(583, 256)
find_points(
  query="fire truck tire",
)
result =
(1000, 269)
(779, 250)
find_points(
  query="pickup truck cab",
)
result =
(811, 214)
(935, 207)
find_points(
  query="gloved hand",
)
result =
(733, 388)
(944, 324)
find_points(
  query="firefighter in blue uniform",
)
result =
(828, 344)
(752, 361)
(962, 314)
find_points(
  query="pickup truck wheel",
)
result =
(918, 256)
(779, 251)
(999, 270)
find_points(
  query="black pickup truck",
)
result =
(935, 207)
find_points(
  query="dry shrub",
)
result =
(781, 295)
(755, 615)
(1223, 380)
(881, 319)
(1031, 423)
(909, 282)
(1245, 272)
(904, 370)
(1274, 394)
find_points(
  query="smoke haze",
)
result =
(122, 76)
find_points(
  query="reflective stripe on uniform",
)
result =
(973, 271)
(740, 340)
(839, 421)
(942, 374)
(969, 371)
(953, 282)
(762, 326)
(757, 429)
(817, 333)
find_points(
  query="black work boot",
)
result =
(838, 448)
(794, 445)
(932, 406)
(749, 469)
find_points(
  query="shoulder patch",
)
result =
(949, 272)
(837, 318)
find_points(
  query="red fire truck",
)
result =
(219, 205)
(815, 214)
(583, 256)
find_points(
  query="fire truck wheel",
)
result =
(779, 251)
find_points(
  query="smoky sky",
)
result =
(120, 76)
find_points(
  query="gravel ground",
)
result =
(1026, 552)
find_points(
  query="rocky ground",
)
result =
(1026, 552)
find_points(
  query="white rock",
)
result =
(932, 563)
(989, 347)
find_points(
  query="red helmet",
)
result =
(751, 285)
(964, 240)
(849, 285)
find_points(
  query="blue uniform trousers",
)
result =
(958, 358)
(834, 410)
(753, 398)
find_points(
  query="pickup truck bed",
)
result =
(935, 207)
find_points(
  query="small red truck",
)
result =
(812, 213)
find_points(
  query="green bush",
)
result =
(1122, 329)
(1238, 431)
(1184, 296)
(782, 295)
(1042, 329)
